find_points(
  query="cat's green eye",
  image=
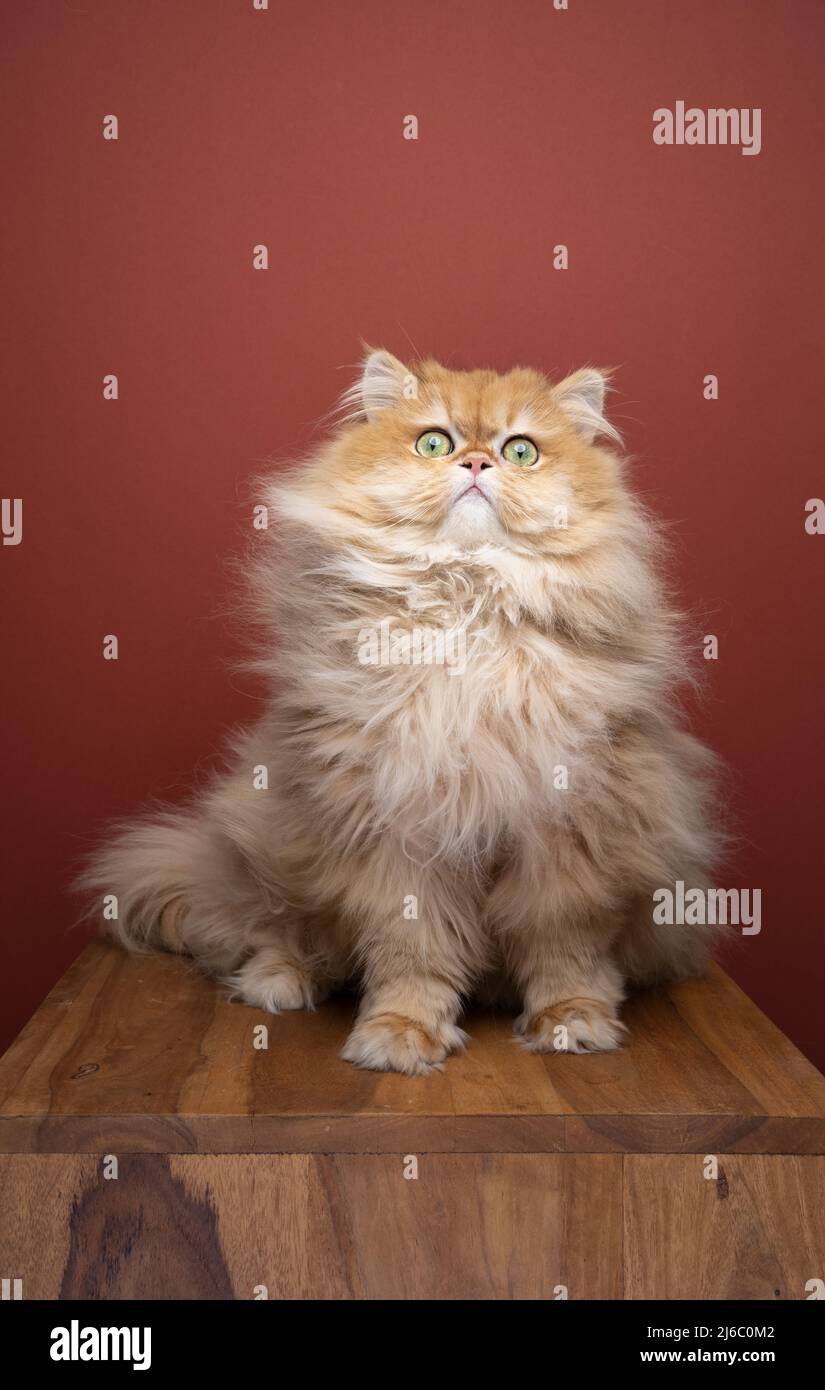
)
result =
(520, 450)
(433, 444)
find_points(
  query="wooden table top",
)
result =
(142, 1054)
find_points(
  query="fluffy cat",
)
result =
(438, 827)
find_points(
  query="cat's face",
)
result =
(458, 460)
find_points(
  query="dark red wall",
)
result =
(284, 127)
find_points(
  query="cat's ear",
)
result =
(383, 382)
(581, 397)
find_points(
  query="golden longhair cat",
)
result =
(469, 776)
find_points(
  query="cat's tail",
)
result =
(138, 883)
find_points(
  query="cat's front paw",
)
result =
(392, 1042)
(572, 1025)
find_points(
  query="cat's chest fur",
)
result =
(473, 736)
(455, 706)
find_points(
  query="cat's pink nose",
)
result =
(475, 463)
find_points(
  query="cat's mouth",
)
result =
(474, 491)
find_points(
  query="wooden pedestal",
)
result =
(151, 1148)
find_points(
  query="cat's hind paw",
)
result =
(273, 984)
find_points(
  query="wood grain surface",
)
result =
(469, 1226)
(142, 1054)
(756, 1231)
(315, 1226)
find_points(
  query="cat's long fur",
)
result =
(410, 788)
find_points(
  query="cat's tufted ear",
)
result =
(383, 382)
(581, 397)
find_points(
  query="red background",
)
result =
(284, 127)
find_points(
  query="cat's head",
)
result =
(430, 459)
